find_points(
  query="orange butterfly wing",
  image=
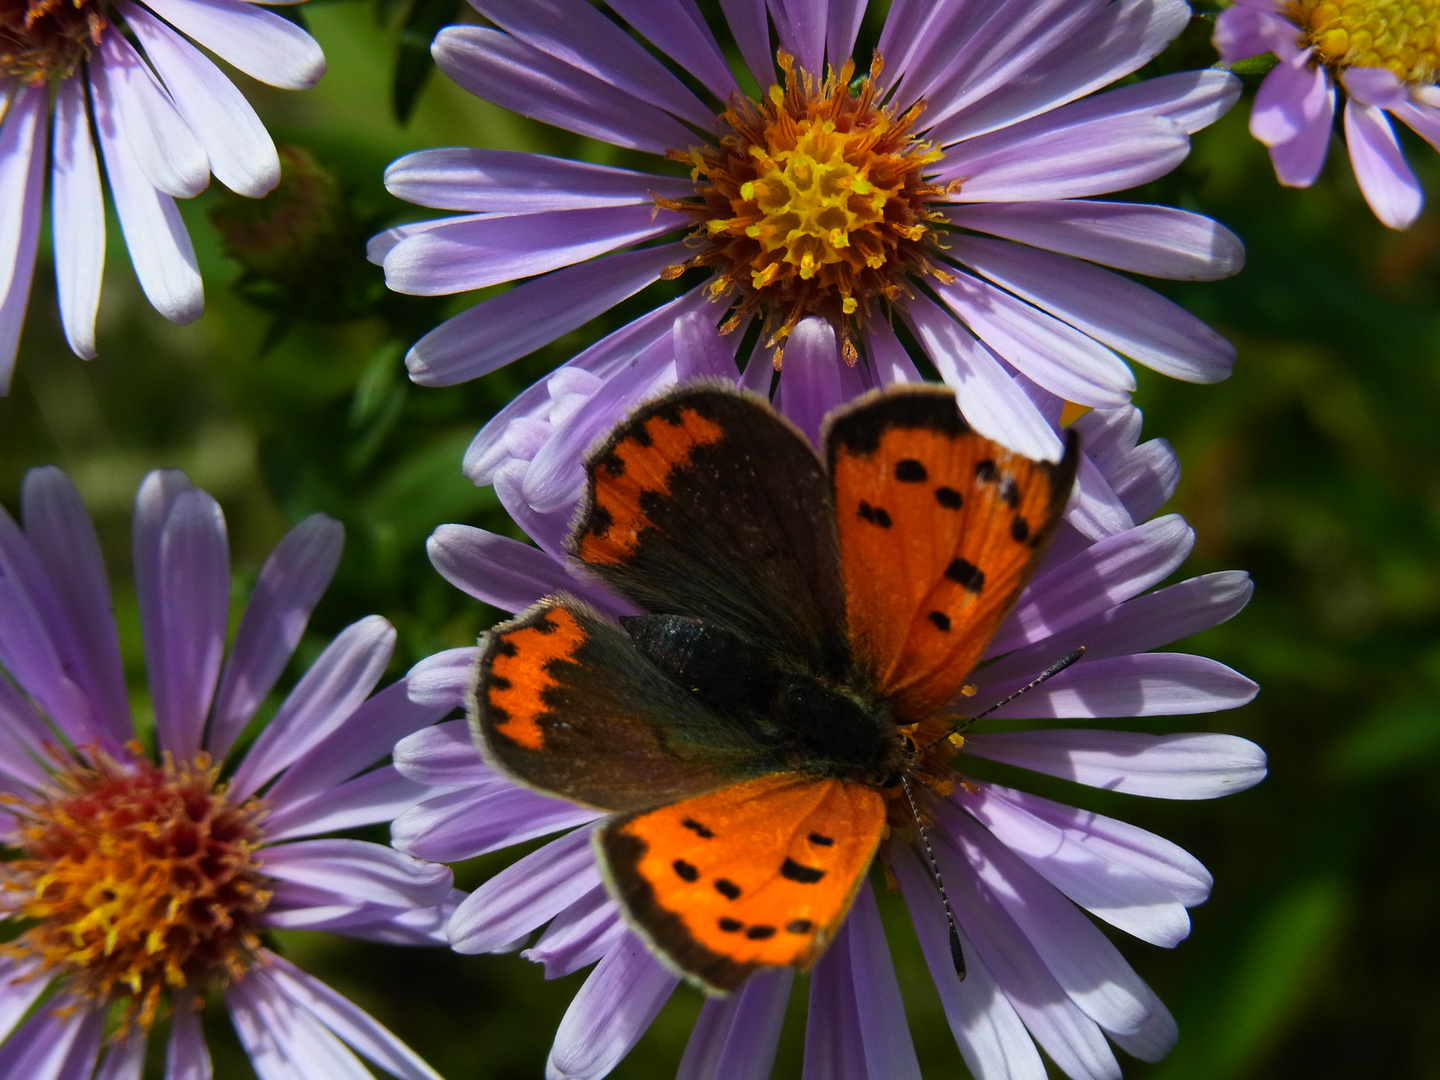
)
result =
(940, 529)
(758, 874)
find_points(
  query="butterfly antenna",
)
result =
(957, 955)
(1049, 673)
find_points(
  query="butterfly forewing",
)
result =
(565, 702)
(759, 874)
(706, 503)
(940, 528)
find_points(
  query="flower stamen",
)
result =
(1402, 36)
(41, 39)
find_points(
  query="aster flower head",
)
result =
(128, 77)
(1384, 56)
(1019, 868)
(944, 183)
(140, 883)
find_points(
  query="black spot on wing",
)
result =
(686, 870)
(505, 647)
(799, 926)
(731, 926)
(941, 620)
(1010, 493)
(1019, 530)
(727, 888)
(876, 515)
(759, 932)
(967, 574)
(985, 471)
(910, 471)
(806, 875)
(949, 498)
(698, 829)
(499, 682)
(819, 840)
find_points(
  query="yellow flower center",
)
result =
(1401, 35)
(136, 879)
(813, 204)
(41, 38)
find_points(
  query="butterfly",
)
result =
(808, 624)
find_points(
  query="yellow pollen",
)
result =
(1400, 35)
(136, 879)
(40, 39)
(813, 204)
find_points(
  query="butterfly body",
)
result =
(808, 627)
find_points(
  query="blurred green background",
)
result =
(1316, 467)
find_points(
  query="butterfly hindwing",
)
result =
(758, 874)
(565, 702)
(940, 528)
(706, 503)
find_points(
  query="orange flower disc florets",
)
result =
(137, 879)
(814, 204)
(41, 38)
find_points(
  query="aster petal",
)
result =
(77, 218)
(162, 143)
(1115, 891)
(1043, 160)
(326, 696)
(501, 69)
(1155, 1038)
(18, 990)
(1068, 62)
(240, 150)
(1136, 626)
(1421, 118)
(991, 1037)
(258, 42)
(23, 735)
(857, 1028)
(184, 589)
(376, 796)
(505, 181)
(289, 586)
(1158, 241)
(443, 756)
(356, 871)
(736, 1037)
(125, 1060)
(160, 248)
(1071, 1038)
(526, 894)
(1147, 684)
(580, 935)
(187, 1057)
(497, 570)
(1105, 574)
(535, 313)
(1375, 86)
(608, 358)
(477, 252)
(750, 27)
(22, 180)
(1052, 353)
(1095, 511)
(1135, 321)
(35, 640)
(65, 544)
(1248, 30)
(988, 396)
(800, 25)
(1082, 959)
(54, 1045)
(678, 30)
(1293, 112)
(284, 1040)
(1386, 181)
(345, 1019)
(813, 386)
(618, 1002)
(373, 922)
(579, 36)
(1201, 766)
(887, 356)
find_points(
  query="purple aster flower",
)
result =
(1018, 867)
(128, 75)
(148, 882)
(1387, 59)
(950, 189)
